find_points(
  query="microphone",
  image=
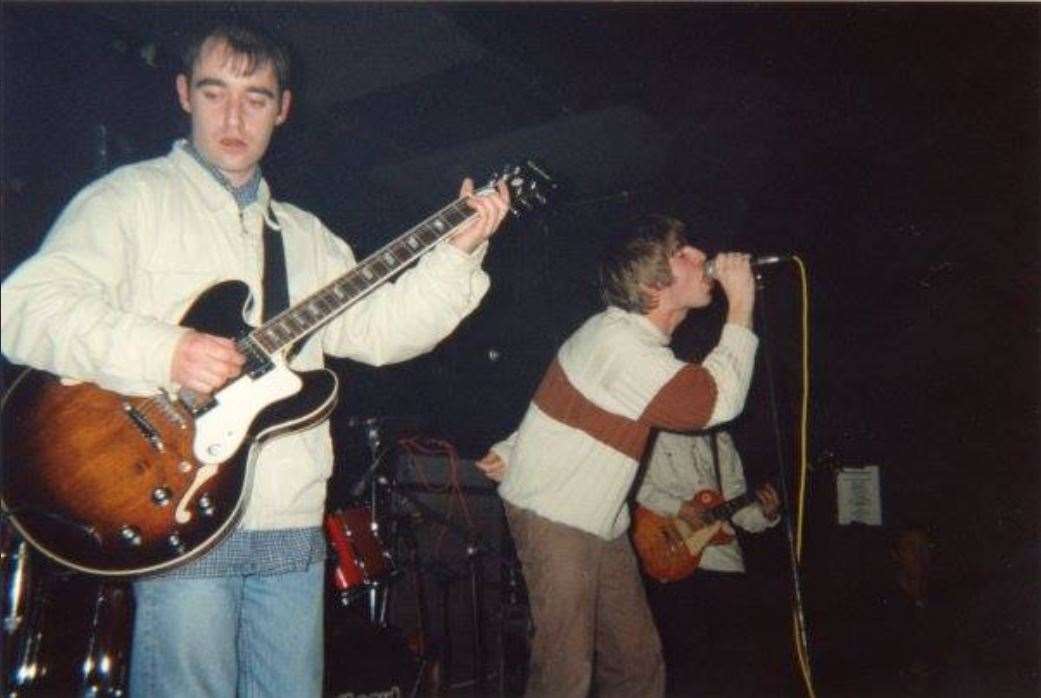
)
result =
(756, 261)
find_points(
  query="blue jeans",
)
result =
(216, 637)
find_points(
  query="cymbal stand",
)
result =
(377, 593)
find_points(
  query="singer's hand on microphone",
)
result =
(733, 271)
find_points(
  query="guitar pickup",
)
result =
(257, 360)
(145, 427)
(256, 370)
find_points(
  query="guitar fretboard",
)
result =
(323, 305)
(724, 511)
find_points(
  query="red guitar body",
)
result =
(669, 548)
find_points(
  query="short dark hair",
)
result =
(639, 258)
(254, 44)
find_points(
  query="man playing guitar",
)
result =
(100, 304)
(702, 611)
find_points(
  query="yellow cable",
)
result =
(798, 627)
(804, 407)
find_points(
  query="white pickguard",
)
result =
(221, 430)
(697, 540)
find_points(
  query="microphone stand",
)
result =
(793, 563)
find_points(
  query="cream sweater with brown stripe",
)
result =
(574, 456)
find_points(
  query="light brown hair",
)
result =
(640, 259)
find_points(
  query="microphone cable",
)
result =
(799, 633)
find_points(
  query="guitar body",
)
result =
(116, 485)
(669, 548)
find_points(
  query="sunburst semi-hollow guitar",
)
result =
(670, 548)
(116, 485)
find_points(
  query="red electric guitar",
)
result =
(670, 548)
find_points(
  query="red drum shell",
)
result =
(360, 555)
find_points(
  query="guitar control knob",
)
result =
(130, 536)
(206, 507)
(161, 496)
(175, 542)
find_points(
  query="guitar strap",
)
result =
(275, 287)
(715, 460)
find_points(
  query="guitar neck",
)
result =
(724, 511)
(307, 316)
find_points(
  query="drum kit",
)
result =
(69, 634)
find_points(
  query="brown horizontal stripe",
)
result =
(685, 402)
(559, 399)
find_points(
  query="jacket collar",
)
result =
(215, 196)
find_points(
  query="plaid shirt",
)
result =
(244, 195)
(258, 552)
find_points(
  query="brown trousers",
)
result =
(589, 609)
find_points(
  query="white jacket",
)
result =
(102, 298)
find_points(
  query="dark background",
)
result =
(893, 147)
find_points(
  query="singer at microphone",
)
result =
(756, 261)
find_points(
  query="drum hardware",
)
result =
(394, 509)
(363, 659)
(106, 664)
(378, 660)
(64, 633)
(393, 513)
(515, 626)
(17, 608)
(475, 551)
(364, 567)
(17, 581)
(430, 678)
(364, 564)
(515, 649)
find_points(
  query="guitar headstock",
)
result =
(529, 185)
